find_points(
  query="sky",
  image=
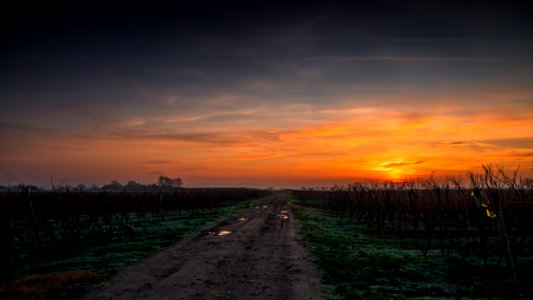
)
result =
(264, 94)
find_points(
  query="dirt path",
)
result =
(253, 256)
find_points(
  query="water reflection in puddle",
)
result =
(284, 214)
(220, 232)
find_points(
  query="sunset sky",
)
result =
(228, 94)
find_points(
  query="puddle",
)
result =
(221, 232)
(242, 219)
(284, 214)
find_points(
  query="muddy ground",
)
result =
(255, 255)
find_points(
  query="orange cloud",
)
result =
(318, 146)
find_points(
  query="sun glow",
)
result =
(395, 170)
(394, 174)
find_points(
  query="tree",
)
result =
(166, 181)
(113, 186)
(132, 184)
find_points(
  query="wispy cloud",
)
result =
(521, 142)
(157, 162)
(307, 127)
(401, 164)
(364, 59)
(414, 59)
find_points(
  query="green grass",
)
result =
(66, 272)
(357, 265)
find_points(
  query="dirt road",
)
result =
(253, 256)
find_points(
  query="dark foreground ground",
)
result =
(255, 255)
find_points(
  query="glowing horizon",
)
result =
(345, 145)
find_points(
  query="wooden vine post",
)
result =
(506, 246)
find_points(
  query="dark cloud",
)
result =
(406, 59)
(79, 55)
(526, 142)
(528, 154)
(208, 138)
(458, 143)
(19, 128)
(220, 138)
(480, 146)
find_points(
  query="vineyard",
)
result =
(442, 219)
(39, 226)
(490, 219)
(422, 238)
